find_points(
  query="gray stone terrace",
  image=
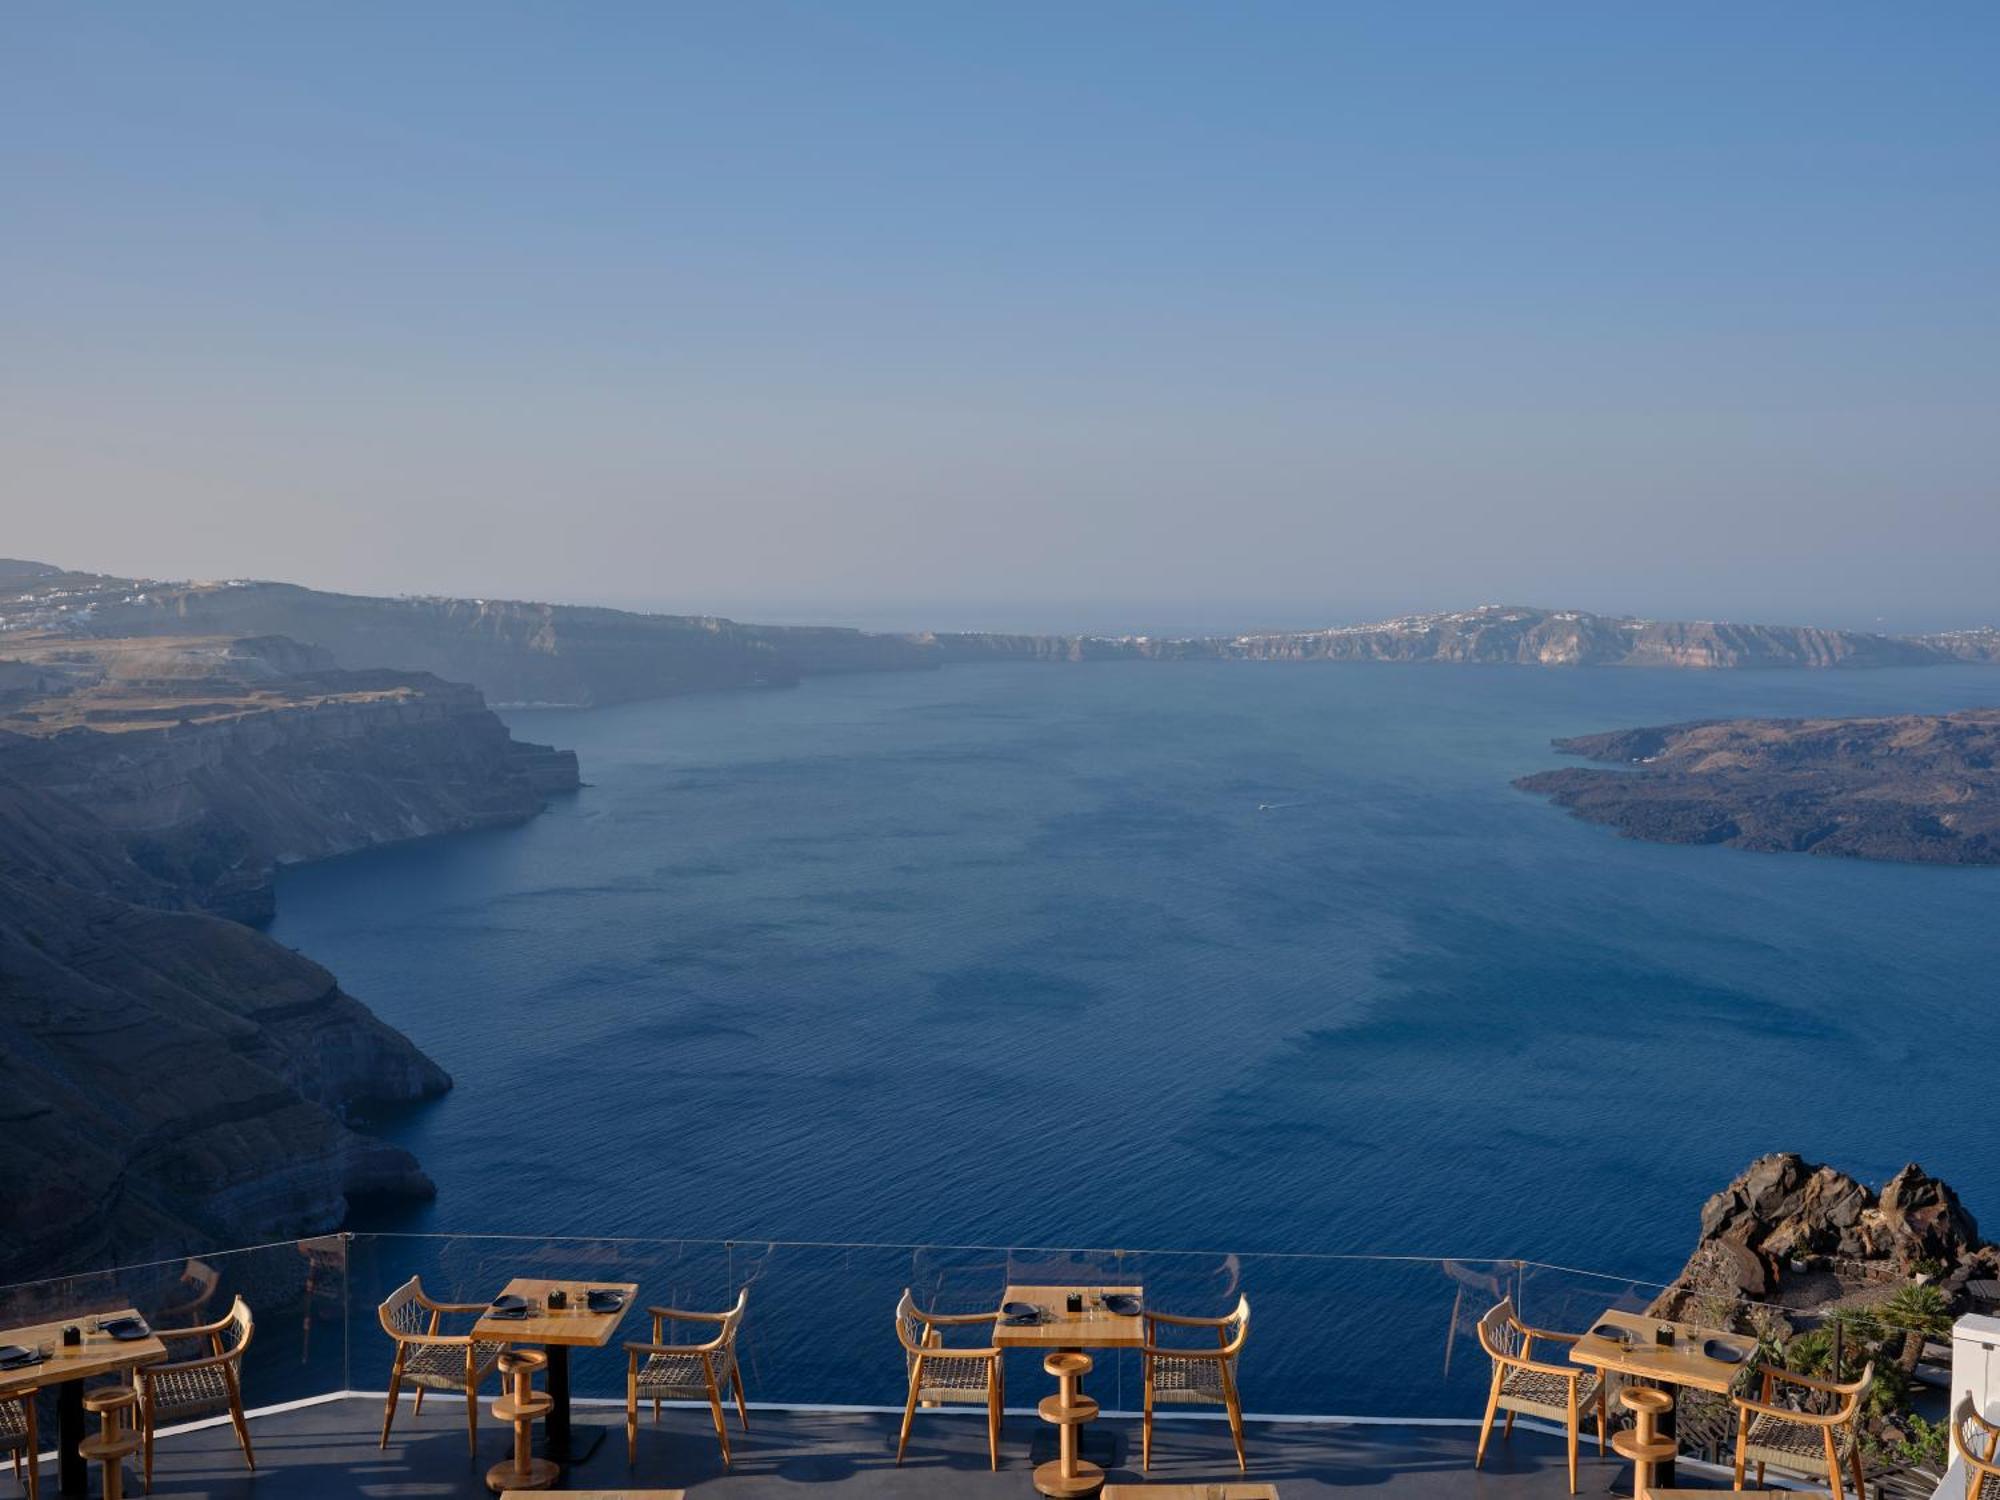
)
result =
(326, 1450)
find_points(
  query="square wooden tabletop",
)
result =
(1678, 1363)
(575, 1326)
(1228, 1489)
(98, 1354)
(1093, 1328)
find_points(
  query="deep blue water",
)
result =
(1010, 955)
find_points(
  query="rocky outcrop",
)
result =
(170, 1080)
(1908, 787)
(1799, 1235)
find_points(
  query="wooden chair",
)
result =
(202, 1385)
(938, 1374)
(1805, 1442)
(660, 1371)
(19, 1437)
(1977, 1443)
(1522, 1383)
(434, 1361)
(1194, 1377)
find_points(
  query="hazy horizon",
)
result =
(1121, 317)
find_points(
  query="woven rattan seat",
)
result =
(441, 1367)
(1546, 1395)
(1976, 1441)
(682, 1376)
(20, 1440)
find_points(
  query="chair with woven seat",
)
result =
(18, 1437)
(1976, 1441)
(434, 1361)
(1194, 1377)
(204, 1384)
(1523, 1384)
(939, 1374)
(659, 1371)
(1807, 1443)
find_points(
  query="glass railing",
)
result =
(1330, 1335)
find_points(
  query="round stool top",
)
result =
(1645, 1398)
(109, 1398)
(1067, 1364)
(516, 1360)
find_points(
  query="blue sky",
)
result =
(1080, 314)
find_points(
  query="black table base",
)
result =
(72, 1473)
(560, 1441)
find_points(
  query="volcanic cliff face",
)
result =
(519, 652)
(168, 1079)
(513, 651)
(1909, 787)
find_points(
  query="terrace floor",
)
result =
(329, 1449)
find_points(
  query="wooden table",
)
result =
(1227, 1490)
(1060, 1329)
(558, 1330)
(67, 1369)
(1670, 1366)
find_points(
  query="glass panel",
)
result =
(297, 1291)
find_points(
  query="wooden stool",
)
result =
(1068, 1409)
(114, 1441)
(1643, 1445)
(521, 1406)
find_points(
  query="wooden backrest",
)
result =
(403, 1310)
(1976, 1440)
(236, 1337)
(1500, 1331)
(733, 1319)
(1237, 1329)
(910, 1328)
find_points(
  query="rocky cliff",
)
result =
(170, 1079)
(522, 652)
(1907, 787)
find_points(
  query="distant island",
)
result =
(1923, 787)
(521, 652)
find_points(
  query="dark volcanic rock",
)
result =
(1799, 1235)
(1911, 787)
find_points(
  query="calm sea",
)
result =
(1260, 957)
